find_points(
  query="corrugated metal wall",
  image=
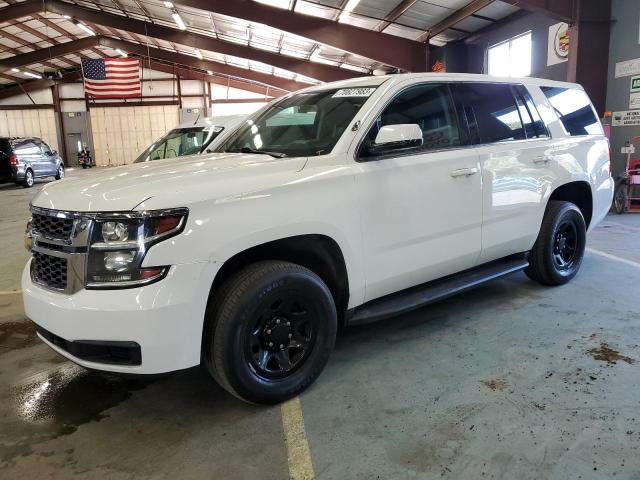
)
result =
(120, 134)
(30, 123)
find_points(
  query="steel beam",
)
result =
(325, 73)
(38, 56)
(454, 18)
(389, 49)
(188, 60)
(33, 85)
(563, 10)
(20, 10)
(395, 14)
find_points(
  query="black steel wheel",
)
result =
(557, 254)
(28, 179)
(269, 331)
(620, 199)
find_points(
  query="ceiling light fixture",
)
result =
(168, 4)
(32, 75)
(122, 53)
(198, 53)
(67, 17)
(209, 72)
(348, 8)
(85, 28)
(178, 19)
(15, 70)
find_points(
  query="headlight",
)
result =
(119, 242)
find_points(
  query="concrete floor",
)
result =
(500, 382)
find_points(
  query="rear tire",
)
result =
(60, 173)
(269, 331)
(28, 179)
(620, 199)
(558, 252)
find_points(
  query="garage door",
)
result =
(120, 134)
(30, 123)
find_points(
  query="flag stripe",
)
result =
(112, 77)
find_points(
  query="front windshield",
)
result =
(302, 125)
(180, 142)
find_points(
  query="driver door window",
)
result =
(429, 106)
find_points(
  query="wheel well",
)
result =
(318, 253)
(578, 193)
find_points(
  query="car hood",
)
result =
(171, 181)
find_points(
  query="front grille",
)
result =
(52, 227)
(49, 271)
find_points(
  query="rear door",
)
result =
(512, 143)
(29, 154)
(5, 151)
(421, 208)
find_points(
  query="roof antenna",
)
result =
(198, 117)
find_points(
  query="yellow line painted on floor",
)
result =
(300, 465)
(613, 257)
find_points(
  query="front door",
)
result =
(421, 208)
(49, 160)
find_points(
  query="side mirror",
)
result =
(396, 137)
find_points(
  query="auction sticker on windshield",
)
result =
(354, 92)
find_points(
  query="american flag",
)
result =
(111, 77)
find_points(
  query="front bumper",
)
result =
(164, 319)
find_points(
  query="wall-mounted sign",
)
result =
(635, 84)
(634, 101)
(628, 68)
(558, 45)
(630, 118)
(74, 114)
(193, 110)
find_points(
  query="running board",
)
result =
(416, 297)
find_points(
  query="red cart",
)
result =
(627, 196)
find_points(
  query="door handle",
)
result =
(542, 160)
(464, 172)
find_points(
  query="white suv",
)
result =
(339, 204)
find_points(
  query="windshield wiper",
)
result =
(252, 150)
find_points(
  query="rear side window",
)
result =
(533, 125)
(491, 112)
(27, 147)
(574, 110)
(430, 106)
(5, 146)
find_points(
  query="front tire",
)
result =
(269, 331)
(558, 252)
(28, 179)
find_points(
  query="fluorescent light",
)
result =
(67, 17)
(85, 28)
(121, 53)
(32, 75)
(209, 72)
(168, 4)
(351, 4)
(178, 19)
(198, 53)
(15, 70)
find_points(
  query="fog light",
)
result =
(115, 232)
(118, 261)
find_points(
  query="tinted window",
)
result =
(45, 148)
(27, 147)
(5, 146)
(574, 110)
(491, 112)
(533, 126)
(431, 108)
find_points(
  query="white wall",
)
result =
(30, 123)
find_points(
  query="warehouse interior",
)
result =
(509, 380)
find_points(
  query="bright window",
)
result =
(511, 58)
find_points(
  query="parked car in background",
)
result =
(23, 159)
(190, 138)
(335, 205)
